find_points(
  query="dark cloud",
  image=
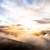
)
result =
(43, 21)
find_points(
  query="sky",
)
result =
(23, 11)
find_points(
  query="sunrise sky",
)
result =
(13, 12)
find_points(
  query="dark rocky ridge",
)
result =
(9, 44)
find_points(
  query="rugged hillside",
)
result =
(34, 40)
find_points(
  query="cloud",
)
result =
(16, 10)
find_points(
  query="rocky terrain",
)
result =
(34, 41)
